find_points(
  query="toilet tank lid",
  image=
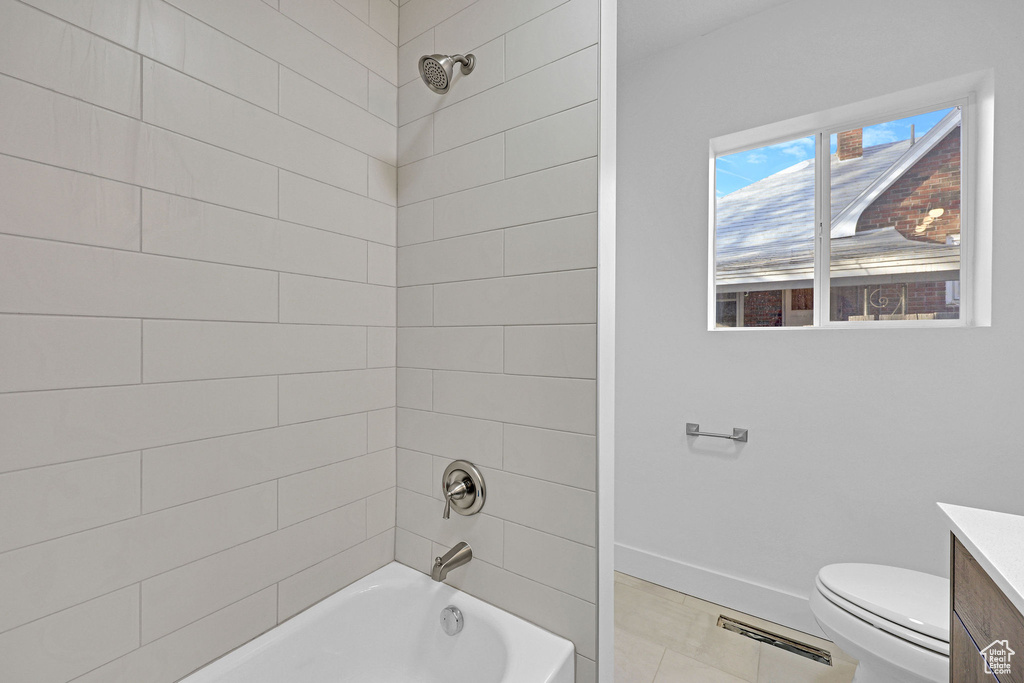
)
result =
(912, 599)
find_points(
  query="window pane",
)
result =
(764, 235)
(895, 247)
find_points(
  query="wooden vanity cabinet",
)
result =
(981, 615)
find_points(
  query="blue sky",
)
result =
(738, 170)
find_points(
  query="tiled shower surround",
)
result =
(202, 308)
(497, 302)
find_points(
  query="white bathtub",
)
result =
(385, 628)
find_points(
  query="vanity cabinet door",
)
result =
(987, 616)
(965, 665)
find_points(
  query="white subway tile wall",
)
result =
(197, 324)
(258, 287)
(497, 302)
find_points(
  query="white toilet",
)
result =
(894, 621)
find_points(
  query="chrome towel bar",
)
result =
(693, 429)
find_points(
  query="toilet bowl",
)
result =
(894, 621)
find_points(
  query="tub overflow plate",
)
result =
(451, 620)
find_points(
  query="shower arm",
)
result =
(467, 63)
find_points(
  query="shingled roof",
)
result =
(764, 237)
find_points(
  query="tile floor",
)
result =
(662, 636)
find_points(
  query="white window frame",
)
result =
(973, 94)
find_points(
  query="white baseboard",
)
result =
(743, 595)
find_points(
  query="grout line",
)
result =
(513, 424)
(320, 182)
(581, 162)
(251, 595)
(131, 518)
(193, 380)
(493, 373)
(92, 316)
(208, 143)
(142, 352)
(277, 481)
(492, 324)
(503, 227)
(436, 152)
(190, 441)
(493, 278)
(142, 88)
(664, 651)
(140, 614)
(335, 47)
(232, 39)
(455, 328)
(365, 109)
(142, 487)
(197, 200)
(504, 351)
(197, 259)
(439, 22)
(70, 607)
(497, 373)
(141, 214)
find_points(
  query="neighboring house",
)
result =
(895, 231)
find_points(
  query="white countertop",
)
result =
(996, 540)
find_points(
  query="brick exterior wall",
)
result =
(922, 297)
(932, 183)
(762, 309)
(927, 297)
(850, 144)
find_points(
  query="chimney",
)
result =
(850, 144)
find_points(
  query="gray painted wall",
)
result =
(854, 434)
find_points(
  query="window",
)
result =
(848, 225)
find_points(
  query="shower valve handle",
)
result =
(463, 489)
(457, 491)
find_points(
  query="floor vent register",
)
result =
(775, 640)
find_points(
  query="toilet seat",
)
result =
(909, 605)
(911, 599)
(883, 657)
(911, 636)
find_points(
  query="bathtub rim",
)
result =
(394, 571)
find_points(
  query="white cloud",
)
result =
(880, 134)
(802, 148)
(756, 158)
(798, 151)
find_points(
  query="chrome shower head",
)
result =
(436, 70)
